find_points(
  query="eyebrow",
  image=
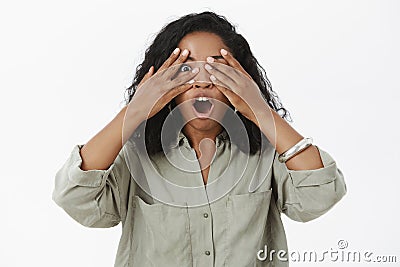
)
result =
(215, 57)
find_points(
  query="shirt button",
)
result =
(205, 215)
(207, 252)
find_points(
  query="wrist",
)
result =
(131, 119)
(134, 114)
(261, 114)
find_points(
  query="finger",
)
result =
(174, 55)
(146, 76)
(180, 77)
(171, 94)
(220, 86)
(223, 89)
(219, 77)
(179, 90)
(234, 74)
(227, 92)
(182, 58)
(233, 62)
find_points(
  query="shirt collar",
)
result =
(183, 140)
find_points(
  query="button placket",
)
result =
(202, 232)
(208, 225)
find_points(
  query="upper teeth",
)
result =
(202, 98)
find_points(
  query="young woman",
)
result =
(200, 163)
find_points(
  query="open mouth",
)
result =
(202, 107)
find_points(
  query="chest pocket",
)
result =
(246, 229)
(160, 235)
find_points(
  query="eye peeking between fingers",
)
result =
(185, 67)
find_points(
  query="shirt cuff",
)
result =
(89, 178)
(315, 177)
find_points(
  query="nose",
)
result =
(202, 84)
(202, 79)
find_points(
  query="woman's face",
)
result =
(202, 45)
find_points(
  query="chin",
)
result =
(203, 123)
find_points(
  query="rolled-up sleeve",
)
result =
(304, 195)
(93, 197)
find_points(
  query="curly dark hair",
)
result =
(168, 39)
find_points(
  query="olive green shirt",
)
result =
(228, 231)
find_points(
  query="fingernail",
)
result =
(210, 59)
(212, 77)
(150, 68)
(185, 52)
(224, 52)
(191, 81)
(208, 67)
(195, 70)
(176, 51)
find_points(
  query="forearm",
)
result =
(283, 136)
(102, 149)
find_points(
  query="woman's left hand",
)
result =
(237, 85)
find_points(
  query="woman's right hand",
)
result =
(154, 92)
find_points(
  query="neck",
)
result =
(195, 136)
(203, 143)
